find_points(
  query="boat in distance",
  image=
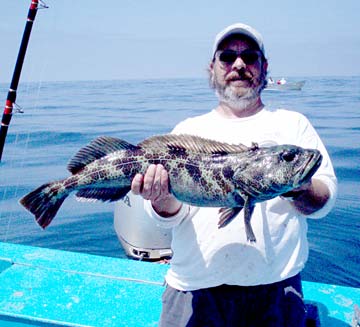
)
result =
(288, 86)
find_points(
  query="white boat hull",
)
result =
(295, 86)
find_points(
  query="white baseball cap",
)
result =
(239, 28)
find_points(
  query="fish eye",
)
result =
(288, 156)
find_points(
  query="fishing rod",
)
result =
(11, 97)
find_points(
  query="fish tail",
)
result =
(45, 201)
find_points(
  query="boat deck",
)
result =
(44, 287)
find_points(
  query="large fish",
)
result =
(202, 172)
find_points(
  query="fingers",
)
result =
(164, 185)
(153, 185)
(150, 179)
(136, 184)
(160, 186)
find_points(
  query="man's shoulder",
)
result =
(282, 113)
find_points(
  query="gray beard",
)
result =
(239, 102)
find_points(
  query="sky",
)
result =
(144, 39)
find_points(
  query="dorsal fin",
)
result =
(192, 143)
(97, 149)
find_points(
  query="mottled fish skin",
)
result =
(202, 172)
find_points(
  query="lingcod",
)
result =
(202, 172)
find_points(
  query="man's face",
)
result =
(235, 77)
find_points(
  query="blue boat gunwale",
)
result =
(54, 287)
(46, 287)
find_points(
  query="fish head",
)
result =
(271, 171)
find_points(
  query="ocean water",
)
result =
(61, 117)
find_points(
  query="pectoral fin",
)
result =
(248, 210)
(227, 215)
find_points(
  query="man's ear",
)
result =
(210, 70)
(265, 65)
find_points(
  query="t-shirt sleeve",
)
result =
(309, 138)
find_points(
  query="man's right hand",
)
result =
(154, 186)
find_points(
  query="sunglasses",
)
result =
(248, 56)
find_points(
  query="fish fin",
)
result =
(96, 149)
(227, 215)
(44, 202)
(192, 143)
(248, 211)
(104, 194)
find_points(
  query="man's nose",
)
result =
(238, 64)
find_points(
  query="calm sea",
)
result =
(61, 117)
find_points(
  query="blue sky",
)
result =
(126, 39)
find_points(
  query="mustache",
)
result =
(234, 76)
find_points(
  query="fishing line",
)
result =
(20, 145)
(12, 108)
(14, 164)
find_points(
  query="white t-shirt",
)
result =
(206, 256)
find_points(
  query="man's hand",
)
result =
(310, 197)
(154, 186)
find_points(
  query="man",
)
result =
(216, 277)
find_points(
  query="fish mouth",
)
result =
(308, 168)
